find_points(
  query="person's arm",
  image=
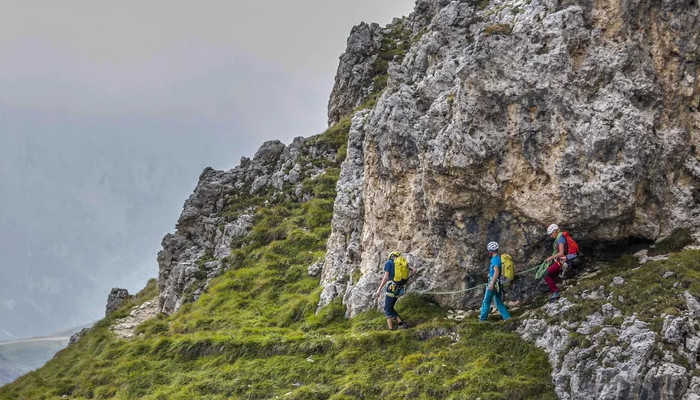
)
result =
(560, 246)
(384, 279)
(496, 274)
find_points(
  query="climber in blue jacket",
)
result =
(493, 290)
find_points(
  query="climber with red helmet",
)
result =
(558, 260)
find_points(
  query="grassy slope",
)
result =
(256, 335)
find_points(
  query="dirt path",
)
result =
(125, 327)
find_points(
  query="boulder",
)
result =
(116, 298)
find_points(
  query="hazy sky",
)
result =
(109, 111)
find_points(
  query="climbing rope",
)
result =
(484, 284)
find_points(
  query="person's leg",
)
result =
(390, 323)
(500, 306)
(486, 305)
(389, 311)
(552, 272)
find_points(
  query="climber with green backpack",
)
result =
(397, 272)
(494, 290)
(508, 267)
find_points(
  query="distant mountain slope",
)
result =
(21, 356)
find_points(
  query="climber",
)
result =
(558, 260)
(494, 290)
(396, 272)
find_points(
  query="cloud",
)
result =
(36, 306)
(215, 84)
(9, 304)
(296, 35)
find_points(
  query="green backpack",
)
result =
(401, 270)
(508, 266)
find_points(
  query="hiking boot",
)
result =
(401, 325)
(554, 297)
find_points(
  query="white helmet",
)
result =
(492, 246)
(552, 228)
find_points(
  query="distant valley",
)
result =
(18, 357)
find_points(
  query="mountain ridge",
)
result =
(465, 122)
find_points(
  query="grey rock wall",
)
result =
(626, 361)
(356, 69)
(502, 120)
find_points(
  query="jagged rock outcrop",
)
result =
(356, 71)
(115, 299)
(343, 244)
(77, 336)
(505, 116)
(211, 221)
(597, 360)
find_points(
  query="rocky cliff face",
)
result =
(221, 211)
(356, 71)
(505, 116)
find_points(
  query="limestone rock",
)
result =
(198, 250)
(315, 269)
(666, 381)
(693, 305)
(356, 70)
(693, 392)
(601, 369)
(77, 336)
(116, 298)
(674, 330)
(499, 121)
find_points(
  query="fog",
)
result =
(109, 113)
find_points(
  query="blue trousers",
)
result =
(492, 295)
(389, 303)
